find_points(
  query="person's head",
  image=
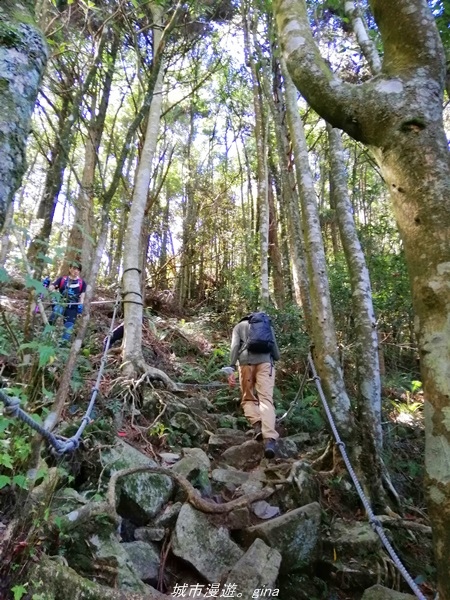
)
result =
(75, 269)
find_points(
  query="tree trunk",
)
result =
(322, 332)
(132, 285)
(81, 238)
(68, 118)
(366, 335)
(260, 131)
(297, 242)
(398, 114)
(23, 55)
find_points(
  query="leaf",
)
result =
(4, 423)
(4, 480)
(35, 284)
(21, 481)
(47, 355)
(6, 461)
(18, 591)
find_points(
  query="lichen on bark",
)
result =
(23, 55)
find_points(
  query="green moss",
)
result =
(9, 35)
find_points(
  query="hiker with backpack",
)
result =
(254, 346)
(70, 303)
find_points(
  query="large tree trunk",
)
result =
(398, 114)
(23, 55)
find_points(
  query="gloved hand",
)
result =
(80, 309)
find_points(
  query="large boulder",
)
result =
(223, 438)
(52, 580)
(108, 552)
(194, 466)
(296, 535)
(144, 558)
(256, 570)
(378, 592)
(351, 539)
(142, 495)
(206, 547)
(244, 457)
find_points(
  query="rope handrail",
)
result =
(373, 521)
(60, 444)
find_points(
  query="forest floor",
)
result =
(191, 351)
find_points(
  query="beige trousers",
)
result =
(259, 407)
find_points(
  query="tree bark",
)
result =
(23, 56)
(366, 334)
(132, 286)
(398, 114)
(260, 131)
(322, 330)
(81, 238)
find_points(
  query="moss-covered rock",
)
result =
(142, 495)
(51, 580)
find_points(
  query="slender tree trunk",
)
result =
(81, 238)
(132, 284)
(190, 217)
(289, 188)
(68, 118)
(274, 252)
(365, 326)
(353, 12)
(322, 332)
(54, 177)
(261, 132)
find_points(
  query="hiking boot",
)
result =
(270, 447)
(255, 432)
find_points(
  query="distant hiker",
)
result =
(70, 303)
(254, 346)
(116, 336)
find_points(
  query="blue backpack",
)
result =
(260, 337)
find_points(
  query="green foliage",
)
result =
(46, 354)
(307, 414)
(289, 329)
(15, 449)
(4, 277)
(19, 591)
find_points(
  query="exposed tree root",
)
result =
(192, 495)
(148, 373)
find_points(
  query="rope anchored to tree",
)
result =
(59, 444)
(374, 522)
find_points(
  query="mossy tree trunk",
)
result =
(398, 114)
(23, 56)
